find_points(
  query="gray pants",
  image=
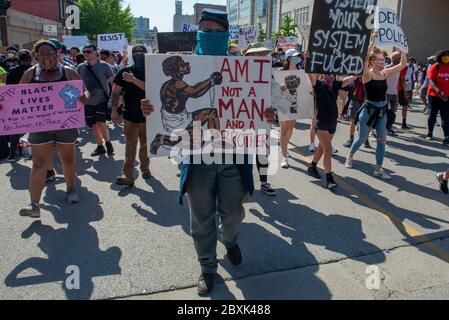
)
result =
(213, 188)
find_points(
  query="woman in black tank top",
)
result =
(49, 70)
(372, 114)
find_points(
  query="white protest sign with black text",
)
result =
(223, 95)
(296, 102)
(113, 42)
(247, 35)
(390, 31)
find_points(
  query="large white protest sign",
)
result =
(296, 101)
(247, 35)
(390, 31)
(187, 27)
(234, 32)
(75, 41)
(223, 95)
(113, 42)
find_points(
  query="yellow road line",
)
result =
(405, 228)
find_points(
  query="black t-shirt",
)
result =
(15, 74)
(132, 95)
(326, 109)
(9, 63)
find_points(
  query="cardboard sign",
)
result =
(112, 41)
(41, 107)
(234, 32)
(196, 96)
(247, 35)
(187, 27)
(287, 43)
(176, 41)
(75, 41)
(296, 102)
(390, 31)
(340, 36)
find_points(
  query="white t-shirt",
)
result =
(393, 81)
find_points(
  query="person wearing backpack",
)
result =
(438, 76)
(97, 75)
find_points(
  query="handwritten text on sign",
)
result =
(113, 42)
(224, 95)
(41, 107)
(340, 36)
(390, 32)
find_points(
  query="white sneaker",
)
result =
(312, 147)
(284, 164)
(348, 163)
(334, 150)
(381, 174)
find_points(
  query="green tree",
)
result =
(262, 33)
(288, 28)
(105, 16)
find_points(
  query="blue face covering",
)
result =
(233, 54)
(212, 43)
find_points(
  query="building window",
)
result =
(244, 9)
(233, 10)
(302, 15)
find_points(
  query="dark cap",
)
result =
(220, 17)
(24, 54)
(58, 44)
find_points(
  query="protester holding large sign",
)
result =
(339, 36)
(54, 101)
(212, 187)
(390, 31)
(373, 114)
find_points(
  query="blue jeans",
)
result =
(364, 130)
(213, 188)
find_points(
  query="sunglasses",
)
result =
(88, 51)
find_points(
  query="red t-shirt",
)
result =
(401, 80)
(440, 77)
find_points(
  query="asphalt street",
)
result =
(305, 243)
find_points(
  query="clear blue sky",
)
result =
(161, 12)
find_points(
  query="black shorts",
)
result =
(403, 101)
(329, 126)
(96, 113)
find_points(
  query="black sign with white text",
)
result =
(176, 41)
(340, 36)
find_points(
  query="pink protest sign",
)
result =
(41, 107)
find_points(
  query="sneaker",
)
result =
(334, 150)
(124, 181)
(348, 144)
(313, 172)
(109, 148)
(392, 133)
(429, 137)
(98, 151)
(32, 211)
(405, 127)
(12, 159)
(330, 183)
(443, 184)
(147, 175)
(367, 145)
(72, 197)
(51, 175)
(312, 147)
(381, 174)
(268, 189)
(205, 283)
(349, 162)
(234, 255)
(284, 163)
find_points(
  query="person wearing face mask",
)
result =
(130, 82)
(234, 50)
(48, 70)
(11, 58)
(215, 187)
(373, 113)
(438, 76)
(392, 93)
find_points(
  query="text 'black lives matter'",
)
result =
(176, 41)
(340, 36)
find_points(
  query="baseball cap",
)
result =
(291, 53)
(257, 48)
(58, 44)
(24, 54)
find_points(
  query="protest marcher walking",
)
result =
(405, 90)
(97, 75)
(11, 61)
(61, 54)
(393, 93)
(216, 187)
(425, 84)
(131, 81)
(438, 76)
(47, 70)
(14, 76)
(443, 179)
(374, 111)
